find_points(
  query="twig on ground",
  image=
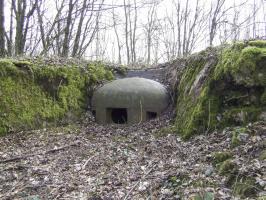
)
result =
(34, 154)
(87, 161)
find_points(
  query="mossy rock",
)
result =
(219, 157)
(221, 87)
(33, 96)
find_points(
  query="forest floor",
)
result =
(144, 161)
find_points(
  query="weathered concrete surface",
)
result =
(137, 95)
(154, 73)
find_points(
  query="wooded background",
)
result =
(133, 32)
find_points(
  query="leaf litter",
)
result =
(142, 161)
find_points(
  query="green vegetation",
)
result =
(241, 185)
(204, 196)
(245, 187)
(163, 132)
(35, 95)
(227, 167)
(235, 135)
(263, 155)
(222, 87)
(219, 157)
(175, 183)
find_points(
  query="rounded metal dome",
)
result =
(131, 93)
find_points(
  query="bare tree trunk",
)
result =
(126, 32)
(9, 37)
(178, 29)
(78, 34)
(134, 41)
(117, 37)
(54, 31)
(41, 26)
(215, 20)
(191, 30)
(264, 16)
(150, 30)
(19, 13)
(85, 42)
(254, 19)
(22, 23)
(235, 25)
(185, 28)
(2, 29)
(65, 45)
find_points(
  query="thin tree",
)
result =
(65, 45)
(150, 28)
(126, 31)
(23, 14)
(216, 14)
(2, 29)
(119, 46)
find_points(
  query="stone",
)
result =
(209, 171)
(143, 186)
(262, 116)
(167, 192)
(202, 77)
(240, 117)
(261, 182)
(243, 137)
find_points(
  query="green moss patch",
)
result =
(219, 157)
(227, 167)
(222, 87)
(33, 96)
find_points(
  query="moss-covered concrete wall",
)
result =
(221, 87)
(34, 94)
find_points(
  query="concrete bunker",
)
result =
(129, 100)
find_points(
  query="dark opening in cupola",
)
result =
(118, 115)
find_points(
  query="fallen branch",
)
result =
(85, 164)
(35, 154)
